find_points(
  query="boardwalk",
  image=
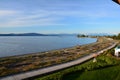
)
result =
(53, 68)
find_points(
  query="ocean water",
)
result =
(18, 45)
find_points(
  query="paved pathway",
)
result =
(53, 68)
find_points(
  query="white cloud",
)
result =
(40, 22)
(21, 19)
(7, 12)
(14, 18)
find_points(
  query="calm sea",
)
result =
(17, 45)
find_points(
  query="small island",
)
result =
(82, 35)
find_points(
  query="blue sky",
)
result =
(59, 16)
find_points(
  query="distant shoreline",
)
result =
(36, 34)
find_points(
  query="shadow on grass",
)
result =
(72, 75)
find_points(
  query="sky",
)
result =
(59, 16)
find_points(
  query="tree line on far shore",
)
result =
(82, 35)
(115, 36)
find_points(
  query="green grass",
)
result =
(110, 73)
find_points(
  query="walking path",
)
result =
(55, 67)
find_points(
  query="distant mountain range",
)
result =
(100, 34)
(36, 34)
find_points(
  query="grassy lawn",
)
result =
(110, 73)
